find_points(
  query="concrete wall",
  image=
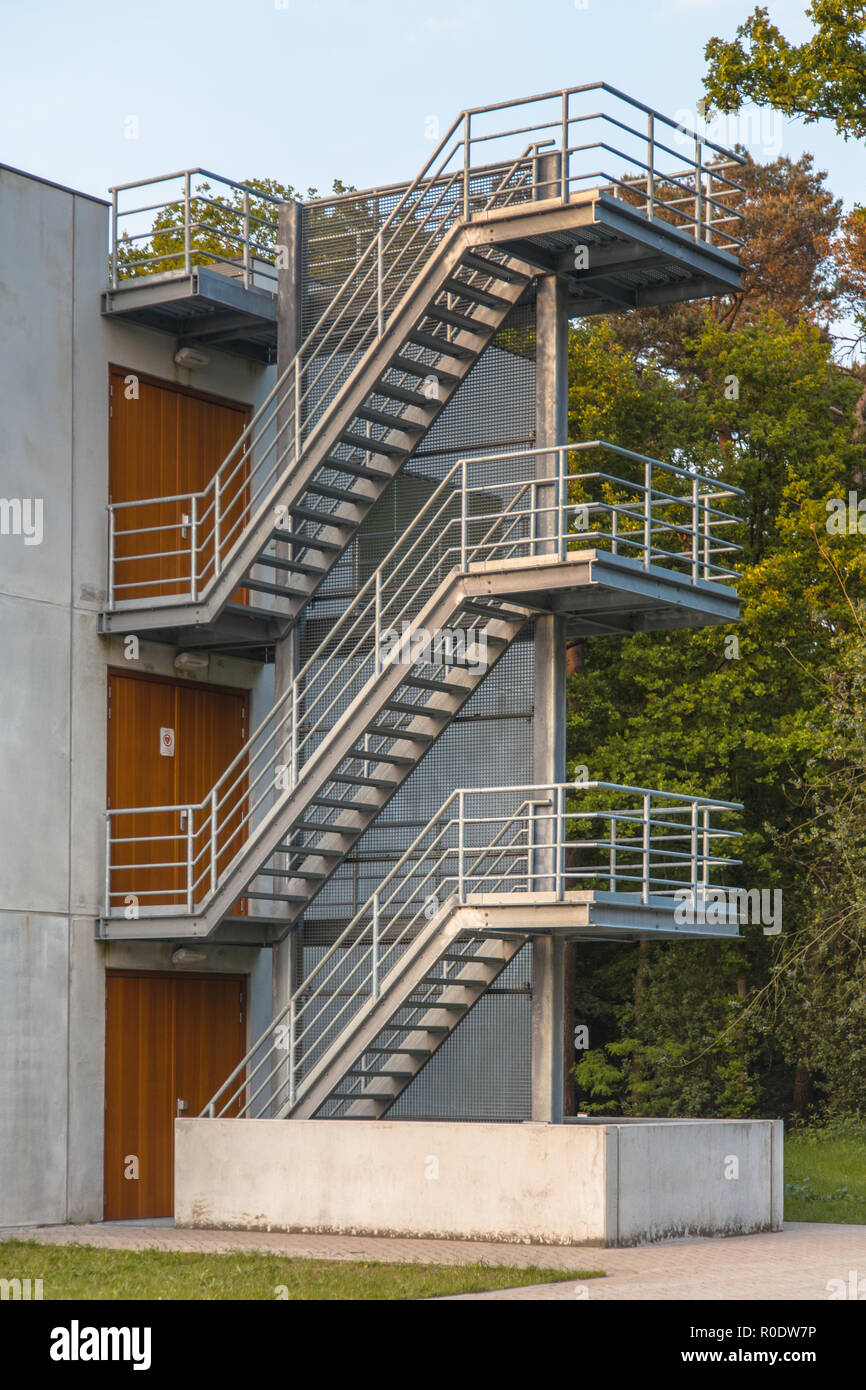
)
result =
(552, 1184)
(55, 351)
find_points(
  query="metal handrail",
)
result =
(463, 523)
(654, 842)
(452, 187)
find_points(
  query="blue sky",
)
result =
(308, 90)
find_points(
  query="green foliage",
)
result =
(675, 710)
(823, 78)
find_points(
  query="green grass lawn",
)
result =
(82, 1271)
(825, 1176)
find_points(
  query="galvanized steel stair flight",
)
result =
(492, 867)
(478, 560)
(422, 303)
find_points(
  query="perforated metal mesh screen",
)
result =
(482, 1072)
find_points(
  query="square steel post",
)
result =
(550, 967)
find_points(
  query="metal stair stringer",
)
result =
(403, 1047)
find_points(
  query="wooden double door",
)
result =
(168, 441)
(170, 1042)
(168, 743)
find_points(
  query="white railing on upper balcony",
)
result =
(553, 840)
(193, 218)
(663, 517)
(491, 157)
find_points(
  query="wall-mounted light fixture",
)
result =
(190, 357)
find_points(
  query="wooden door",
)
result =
(207, 727)
(168, 1038)
(166, 441)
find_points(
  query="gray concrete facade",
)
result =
(55, 353)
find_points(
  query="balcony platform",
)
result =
(604, 594)
(631, 260)
(207, 308)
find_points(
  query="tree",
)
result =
(671, 709)
(789, 220)
(823, 78)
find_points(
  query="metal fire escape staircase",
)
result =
(623, 551)
(494, 866)
(617, 551)
(435, 282)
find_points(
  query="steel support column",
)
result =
(286, 954)
(549, 1011)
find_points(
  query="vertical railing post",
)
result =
(705, 848)
(292, 1051)
(562, 507)
(699, 179)
(613, 851)
(114, 235)
(461, 843)
(377, 622)
(530, 847)
(710, 209)
(297, 406)
(559, 847)
(648, 513)
(187, 240)
(464, 520)
(375, 984)
(217, 525)
(467, 153)
(247, 256)
(563, 157)
(693, 853)
(695, 530)
(614, 528)
(213, 840)
(650, 159)
(705, 508)
(111, 531)
(380, 284)
(294, 735)
(193, 547)
(190, 849)
(107, 862)
(645, 872)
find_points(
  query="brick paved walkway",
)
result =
(795, 1263)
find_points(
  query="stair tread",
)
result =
(274, 897)
(261, 586)
(339, 494)
(336, 804)
(389, 420)
(368, 445)
(442, 345)
(308, 542)
(358, 470)
(297, 566)
(401, 393)
(383, 731)
(406, 707)
(469, 291)
(493, 268)
(323, 517)
(399, 759)
(422, 369)
(380, 783)
(443, 314)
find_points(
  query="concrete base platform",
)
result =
(609, 1183)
